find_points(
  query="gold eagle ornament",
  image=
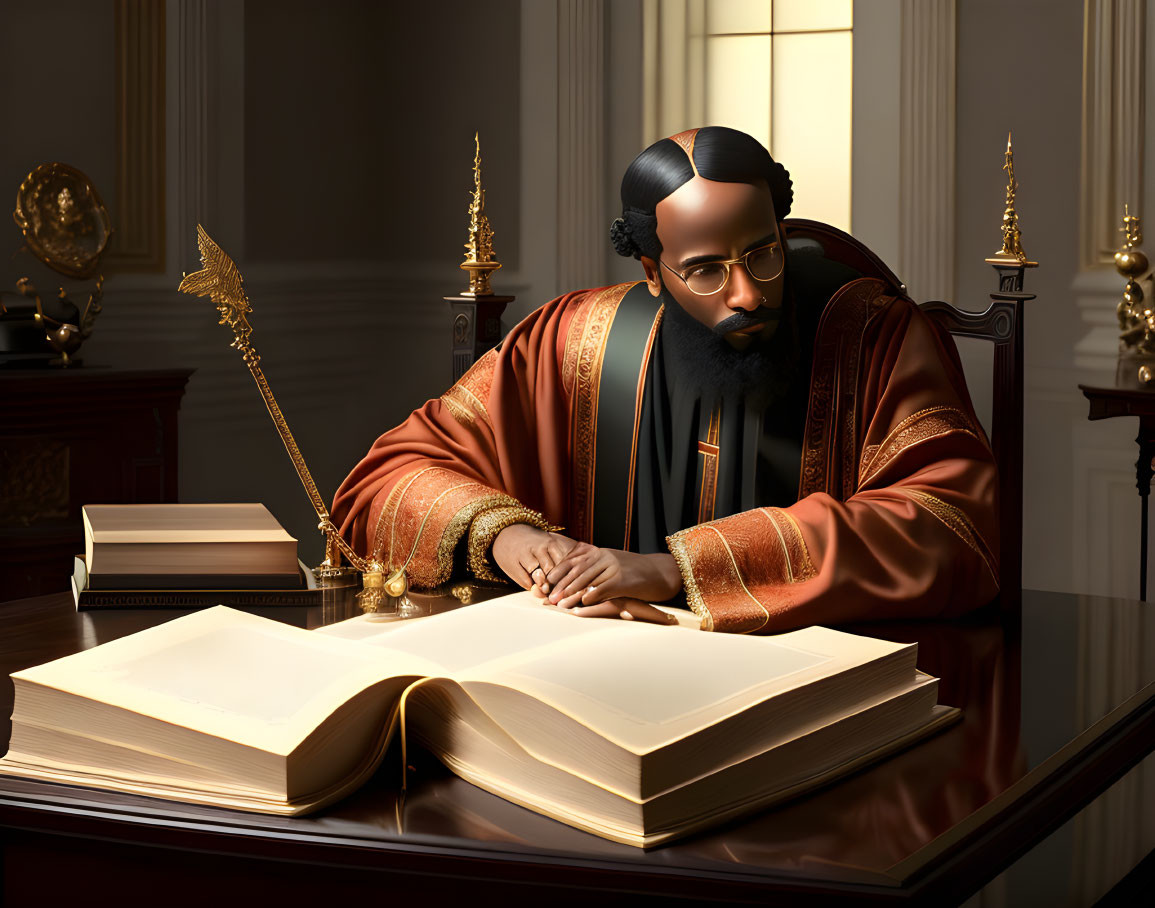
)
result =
(220, 280)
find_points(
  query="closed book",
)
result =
(86, 598)
(636, 732)
(187, 546)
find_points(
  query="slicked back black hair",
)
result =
(720, 153)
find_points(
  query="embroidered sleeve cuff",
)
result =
(694, 600)
(484, 529)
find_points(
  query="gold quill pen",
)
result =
(220, 280)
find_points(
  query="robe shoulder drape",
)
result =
(896, 510)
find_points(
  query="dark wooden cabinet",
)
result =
(72, 437)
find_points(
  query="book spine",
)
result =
(96, 599)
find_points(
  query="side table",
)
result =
(70, 437)
(1109, 402)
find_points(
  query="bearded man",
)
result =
(758, 431)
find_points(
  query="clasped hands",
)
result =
(592, 582)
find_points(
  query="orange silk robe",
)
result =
(896, 513)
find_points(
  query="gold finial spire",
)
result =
(1011, 252)
(1012, 238)
(479, 257)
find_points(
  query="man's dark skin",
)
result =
(703, 220)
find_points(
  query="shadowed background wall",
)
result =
(328, 148)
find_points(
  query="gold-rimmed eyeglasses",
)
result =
(763, 264)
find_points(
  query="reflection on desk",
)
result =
(1058, 699)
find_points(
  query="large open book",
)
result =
(635, 732)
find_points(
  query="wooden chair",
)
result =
(1001, 324)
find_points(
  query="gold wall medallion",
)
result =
(66, 226)
(63, 219)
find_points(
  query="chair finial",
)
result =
(1010, 261)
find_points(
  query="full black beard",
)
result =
(703, 360)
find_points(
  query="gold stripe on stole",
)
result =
(709, 451)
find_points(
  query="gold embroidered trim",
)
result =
(444, 564)
(462, 521)
(959, 524)
(391, 505)
(466, 400)
(637, 424)
(587, 383)
(741, 581)
(694, 597)
(435, 564)
(834, 390)
(925, 425)
(709, 491)
(464, 406)
(794, 534)
(799, 567)
(484, 529)
(573, 340)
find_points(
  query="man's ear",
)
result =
(653, 275)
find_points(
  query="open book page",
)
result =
(374, 627)
(466, 638)
(228, 674)
(640, 685)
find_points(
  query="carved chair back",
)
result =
(1001, 323)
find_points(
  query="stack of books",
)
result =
(187, 555)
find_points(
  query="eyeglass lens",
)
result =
(763, 264)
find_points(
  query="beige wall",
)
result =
(1038, 97)
(57, 103)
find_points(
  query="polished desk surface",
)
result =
(1058, 699)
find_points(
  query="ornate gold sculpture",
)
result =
(220, 280)
(66, 226)
(479, 256)
(1012, 250)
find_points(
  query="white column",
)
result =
(583, 223)
(1114, 127)
(191, 190)
(926, 258)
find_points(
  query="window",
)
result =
(777, 69)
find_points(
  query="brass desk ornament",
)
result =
(383, 588)
(65, 225)
(1136, 367)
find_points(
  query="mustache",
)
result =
(747, 319)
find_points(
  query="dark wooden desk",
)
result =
(1059, 702)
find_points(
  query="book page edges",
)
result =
(941, 717)
(161, 536)
(297, 807)
(919, 682)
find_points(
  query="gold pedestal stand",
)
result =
(476, 310)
